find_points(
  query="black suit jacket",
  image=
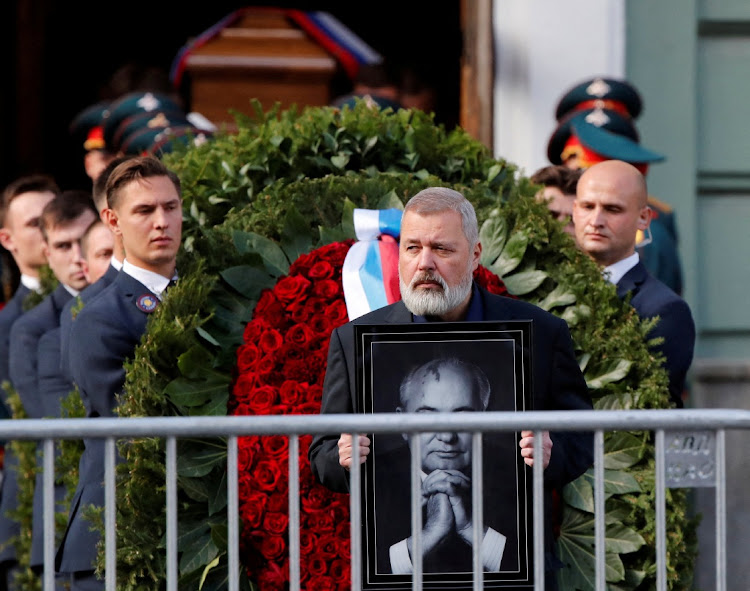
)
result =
(650, 297)
(557, 379)
(66, 317)
(11, 312)
(104, 334)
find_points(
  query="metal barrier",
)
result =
(173, 428)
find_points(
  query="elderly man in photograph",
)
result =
(439, 251)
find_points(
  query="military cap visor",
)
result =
(617, 95)
(600, 118)
(613, 146)
(87, 121)
(132, 104)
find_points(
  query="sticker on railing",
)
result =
(690, 458)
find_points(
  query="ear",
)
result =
(644, 217)
(476, 255)
(404, 435)
(6, 239)
(85, 269)
(109, 217)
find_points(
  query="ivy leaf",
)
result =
(560, 296)
(524, 282)
(195, 488)
(273, 256)
(295, 237)
(613, 372)
(492, 235)
(218, 494)
(186, 392)
(390, 201)
(199, 462)
(622, 450)
(190, 530)
(215, 407)
(198, 554)
(190, 362)
(248, 280)
(512, 254)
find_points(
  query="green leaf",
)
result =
(622, 450)
(331, 235)
(524, 282)
(248, 280)
(347, 219)
(560, 296)
(615, 482)
(619, 401)
(583, 361)
(492, 235)
(198, 554)
(340, 160)
(622, 539)
(190, 530)
(574, 314)
(185, 393)
(215, 407)
(390, 201)
(199, 462)
(220, 535)
(218, 494)
(195, 488)
(273, 256)
(512, 254)
(209, 566)
(295, 237)
(579, 494)
(613, 372)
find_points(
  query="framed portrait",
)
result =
(445, 367)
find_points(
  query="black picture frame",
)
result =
(386, 353)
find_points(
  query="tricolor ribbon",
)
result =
(370, 271)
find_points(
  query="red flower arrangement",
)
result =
(280, 370)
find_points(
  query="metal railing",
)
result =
(173, 428)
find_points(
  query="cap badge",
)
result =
(147, 303)
(148, 102)
(159, 121)
(598, 88)
(597, 118)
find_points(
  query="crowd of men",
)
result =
(113, 255)
(80, 334)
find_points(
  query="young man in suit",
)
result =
(20, 234)
(145, 210)
(64, 220)
(439, 250)
(610, 206)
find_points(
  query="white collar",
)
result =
(153, 281)
(613, 273)
(31, 283)
(115, 263)
(70, 290)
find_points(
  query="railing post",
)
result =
(600, 541)
(355, 512)
(172, 572)
(48, 479)
(660, 497)
(294, 517)
(110, 517)
(538, 472)
(233, 518)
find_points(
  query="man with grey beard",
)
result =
(439, 251)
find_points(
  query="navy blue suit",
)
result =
(8, 527)
(557, 381)
(650, 297)
(24, 338)
(105, 333)
(66, 318)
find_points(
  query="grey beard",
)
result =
(432, 302)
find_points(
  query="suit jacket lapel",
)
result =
(632, 280)
(398, 314)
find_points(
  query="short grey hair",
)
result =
(473, 373)
(438, 199)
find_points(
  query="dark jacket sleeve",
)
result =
(572, 451)
(337, 398)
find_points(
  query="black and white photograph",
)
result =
(421, 368)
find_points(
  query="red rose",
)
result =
(273, 577)
(328, 546)
(292, 392)
(316, 499)
(279, 500)
(270, 340)
(336, 313)
(339, 507)
(320, 583)
(246, 450)
(321, 270)
(267, 475)
(252, 509)
(262, 399)
(300, 370)
(327, 289)
(291, 289)
(266, 365)
(315, 393)
(307, 541)
(307, 408)
(276, 446)
(315, 305)
(320, 522)
(268, 306)
(272, 547)
(243, 386)
(255, 328)
(299, 334)
(301, 315)
(317, 565)
(247, 357)
(275, 523)
(340, 570)
(319, 324)
(489, 281)
(302, 265)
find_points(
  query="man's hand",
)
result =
(527, 447)
(439, 523)
(345, 449)
(457, 486)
